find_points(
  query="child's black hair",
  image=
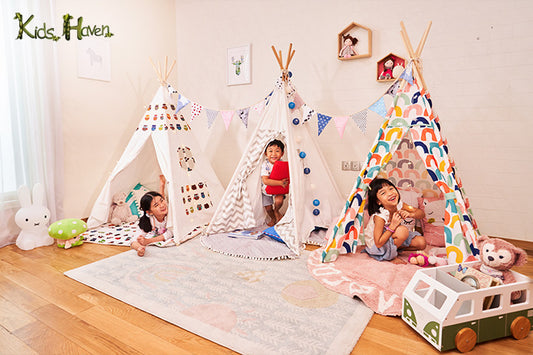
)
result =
(146, 203)
(373, 188)
(277, 143)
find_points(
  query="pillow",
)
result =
(409, 196)
(133, 200)
(280, 171)
(433, 222)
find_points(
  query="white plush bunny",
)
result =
(32, 219)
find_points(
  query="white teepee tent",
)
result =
(313, 199)
(163, 143)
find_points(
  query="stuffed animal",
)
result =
(421, 258)
(68, 232)
(120, 211)
(348, 49)
(498, 257)
(433, 222)
(32, 219)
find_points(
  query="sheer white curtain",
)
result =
(31, 148)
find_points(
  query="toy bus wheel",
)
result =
(465, 340)
(520, 327)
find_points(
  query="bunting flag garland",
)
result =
(227, 115)
(298, 102)
(407, 74)
(196, 109)
(308, 112)
(211, 116)
(243, 115)
(393, 88)
(379, 107)
(323, 121)
(340, 123)
(182, 102)
(360, 120)
(258, 107)
(171, 90)
(267, 99)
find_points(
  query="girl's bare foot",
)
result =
(141, 250)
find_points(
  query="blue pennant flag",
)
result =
(182, 102)
(379, 107)
(407, 74)
(323, 121)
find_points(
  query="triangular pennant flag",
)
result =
(323, 121)
(360, 120)
(211, 115)
(182, 102)
(298, 102)
(195, 110)
(171, 90)
(393, 88)
(407, 75)
(243, 115)
(267, 99)
(258, 107)
(379, 107)
(308, 112)
(227, 116)
(340, 123)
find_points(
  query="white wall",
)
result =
(100, 117)
(473, 65)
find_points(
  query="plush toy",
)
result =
(421, 258)
(387, 69)
(433, 222)
(120, 211)
(498, 257)
(32, 219)
(67, 232)
(348, 50)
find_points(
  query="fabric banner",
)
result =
(227, 116)
(393, 89)
(211, 116)
(323, 121)
(182, 102)
(340, 123)
(196, 110)
(298, 102)
(379, 107)
(258, 107)
(407, 75)
(308, 112)
(243, 115)
(360, 120)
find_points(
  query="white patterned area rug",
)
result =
(249, 306)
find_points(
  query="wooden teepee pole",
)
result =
(279, 58)
(415, 56)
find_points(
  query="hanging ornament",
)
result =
(295, 121)
(292, 105)
(302, 155)
(316, 202)
(316, 211)
(307, 171)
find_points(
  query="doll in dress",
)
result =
(348, 49)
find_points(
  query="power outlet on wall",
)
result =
(351, 165)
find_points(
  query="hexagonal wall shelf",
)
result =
(355, 42)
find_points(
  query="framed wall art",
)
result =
(239, 65)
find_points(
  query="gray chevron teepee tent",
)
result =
(313, 199)
(163, 143)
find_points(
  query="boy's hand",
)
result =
(284, 182)
(162, 179)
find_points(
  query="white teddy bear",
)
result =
(120, 211)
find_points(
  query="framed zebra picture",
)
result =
(239, 65)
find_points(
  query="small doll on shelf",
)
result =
(348, 49)
(386, 74)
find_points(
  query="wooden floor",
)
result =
(44, 312)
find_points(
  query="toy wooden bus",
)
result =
(450, 313)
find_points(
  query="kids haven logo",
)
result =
(42, 32)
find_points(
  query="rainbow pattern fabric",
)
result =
(410, 151)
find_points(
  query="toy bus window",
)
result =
(465, 309)
(523, 297)
(421, 288)
(491, 302)
(437, 298)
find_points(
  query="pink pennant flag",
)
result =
(227, 116)
(298, 102)
(340, 123)
(196, 110)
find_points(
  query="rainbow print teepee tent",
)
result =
(163, 143)
(409, 150)
(313, 199)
